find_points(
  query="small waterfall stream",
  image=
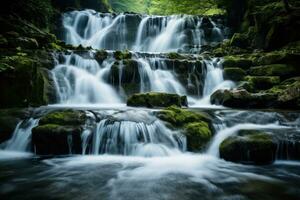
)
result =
(140, 32)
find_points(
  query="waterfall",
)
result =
(132, 132)
(214, 80)
(21, 138)
(229, 131)
(142, 33)
(81, 80)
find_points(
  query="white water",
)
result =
(227, 132)
(134, 133)
(138, 33)
(80, 80)
(214, 81)
(21, 137)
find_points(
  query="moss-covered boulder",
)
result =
(237, 61)
(282, 70)
(240, 40)
(66, 117)
(289, 97)
(156, 99)
(59, 133)
(262, 82)
(243, 99)
(198, 134)
(234, 74)
(25, 81)
(250, 147)
(196, 126)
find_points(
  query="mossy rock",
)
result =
(65, 117)
(250, 147)
(237, 61)
(282, 70)
(179, 117)
(156, 99)
(196, 126)
(280, 57)
(101, 55)
(198, 134)
(54, 139)
(290, 96)
(262, 82)
(174, 55)
(234, 74)
(120, 55)
(240, 40)
(24, 81)
(244, 99)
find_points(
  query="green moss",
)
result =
(120, 55)
(249, 146)
(237, 61)
(234, 73)
(174, 55)
(281, 70)
(198, 135)
(240, 40)
(263, 82)
(179, 117)
(156, 99)
(67, 117)
(101, 55)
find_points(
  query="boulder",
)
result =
(282, 70)
(156, 99)
(196, 126)
(243, 99)
(249, 147)
(262, 82)
(59, 133)
(237, 61)
(234, 74)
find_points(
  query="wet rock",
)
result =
(282, 70)
(196, 126)
(101, 55)
(24, 81)
(250, 147)
(243, 99)
(156, 99)
(53, 139)
(234, 74)
(237, 61)
(262, 82)
(59, 133)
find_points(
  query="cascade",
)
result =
(21, 137)
(142, 33)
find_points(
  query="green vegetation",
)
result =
(167, 7)
(66, 117)
(254, 147)
(156, 99)
(196, 126)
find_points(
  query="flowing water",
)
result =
(128, 153)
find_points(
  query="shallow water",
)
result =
(181, 175)
(187, 177)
